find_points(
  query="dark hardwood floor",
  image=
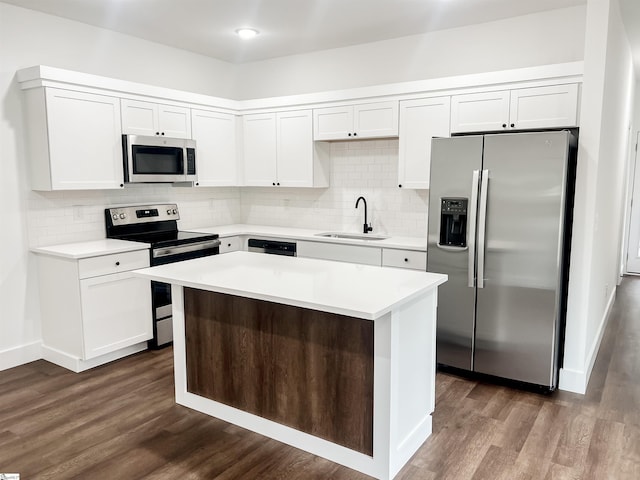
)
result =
(119, 421)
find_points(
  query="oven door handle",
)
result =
(178, 249)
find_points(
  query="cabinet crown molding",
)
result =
(47, 76)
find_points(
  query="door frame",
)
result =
(632, 254)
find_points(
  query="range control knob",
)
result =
(114, 216)
(175, 211)
(168, 211)
(123, 216)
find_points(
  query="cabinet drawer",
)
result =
(404, 259)
(114, 263)
(230, 244)
(340, 252)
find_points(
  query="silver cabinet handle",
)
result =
(471, 231)
(482, 226)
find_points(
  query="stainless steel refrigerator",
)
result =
(500, 209)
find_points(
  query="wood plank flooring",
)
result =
(119, 421)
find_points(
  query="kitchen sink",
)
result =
(351, 236)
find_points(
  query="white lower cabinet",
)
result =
(340, 252)
(94, 310)
(410, 259)
(386, 257)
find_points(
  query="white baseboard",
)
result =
(16, 356)
(576, 381)
(76, 364)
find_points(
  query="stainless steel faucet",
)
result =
(366, 228)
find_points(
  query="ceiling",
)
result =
(290, 27)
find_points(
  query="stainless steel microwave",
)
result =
(150, 159)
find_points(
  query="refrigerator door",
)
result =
(453, 162)
(518, 305)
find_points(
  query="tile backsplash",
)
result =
(367, 167)
(74, 216)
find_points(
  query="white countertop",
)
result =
(360, 291)
(92, 248)
(408, 243)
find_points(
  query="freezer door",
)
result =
(517, 307)
(453, 162)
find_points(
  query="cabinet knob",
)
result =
(354, 134)
(406, 259)
(122, 185)
(157, 133)
(274, 184)
(162, 133)
(504, 125)
(117, 264)
(513, 125)
(400, 186)
(197, 183)
(278, 183)
(349, 134)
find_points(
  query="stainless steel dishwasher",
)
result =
(273, 247)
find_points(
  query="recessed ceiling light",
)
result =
(246, 33)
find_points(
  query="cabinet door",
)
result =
(174, 122)
(333, 123)
(215, 136)
(259, 149)
(340, 252)
(544, 107)
(116, 312)
(85, 140)
(295, 148)
(139, 118)
(480, 112)
(420, 121)
(373, 120)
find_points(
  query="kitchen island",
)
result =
(334, 358)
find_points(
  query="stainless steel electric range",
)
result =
(158, 226)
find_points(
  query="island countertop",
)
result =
(360, 291)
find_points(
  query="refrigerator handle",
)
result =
(482, 225)
(471, 241)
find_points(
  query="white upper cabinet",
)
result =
(552, 106)
(544, 107)
(74, 140)
(259, 149)
(295, 148)
(420, 121)
(279, 151)
(370, 120)
(215, 136)
(146, 118)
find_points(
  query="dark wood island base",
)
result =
(309, 370)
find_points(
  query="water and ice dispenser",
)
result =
(453, 222)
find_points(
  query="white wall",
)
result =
(606, 112)
(544, 38)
